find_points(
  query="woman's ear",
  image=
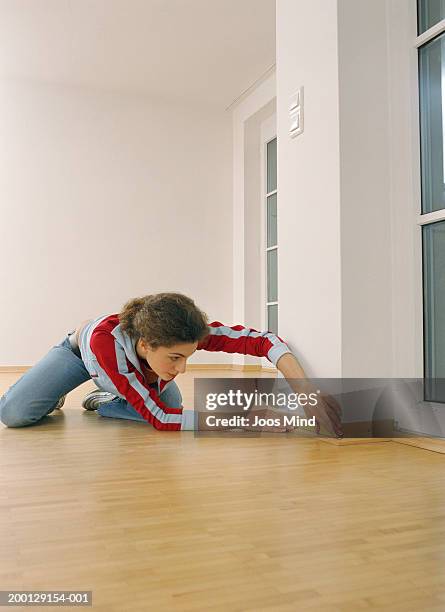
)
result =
(145, 346)
(141, 345)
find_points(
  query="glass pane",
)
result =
(272, 220)
(429, 12)
(272, 319)
(434, 309)
(272, 276)
(272, 165)
(432, 122)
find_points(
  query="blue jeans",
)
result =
(38, 391)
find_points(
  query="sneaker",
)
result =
(94, 399)
(59, 404)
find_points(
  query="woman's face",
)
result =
(165, 361)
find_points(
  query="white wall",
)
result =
(407, 333)
(103, 198)
(309, 279)
(347, 278)
(248, 117)
(254, 210)
(365, 189)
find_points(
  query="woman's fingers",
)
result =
(333, 403)
(330, 419)
(333, 416)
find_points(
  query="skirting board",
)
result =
(430, 444)
(190, 367)
(351, 441)
(229, 366)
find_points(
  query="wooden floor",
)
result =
(167, 521)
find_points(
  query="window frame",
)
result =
(264, 248)
(268, 132)
(429, 218)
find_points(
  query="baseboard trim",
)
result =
(352, 441)
(190, 367)
(208, 366)
(430, 444)
(229, 366)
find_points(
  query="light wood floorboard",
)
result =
(168, 521)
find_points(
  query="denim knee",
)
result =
(11, 417)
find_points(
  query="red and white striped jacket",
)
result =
(111, 359)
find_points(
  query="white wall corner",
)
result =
(247, 118)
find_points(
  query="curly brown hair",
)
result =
(164, 319)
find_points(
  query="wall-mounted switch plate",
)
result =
(296, 115)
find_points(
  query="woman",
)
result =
(133, 358)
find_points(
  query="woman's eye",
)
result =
(174, 358)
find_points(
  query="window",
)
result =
(429, 13)
(433, 239)
(431, 58)
(271, 237)
(432, 115)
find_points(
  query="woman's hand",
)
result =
(327, 411)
